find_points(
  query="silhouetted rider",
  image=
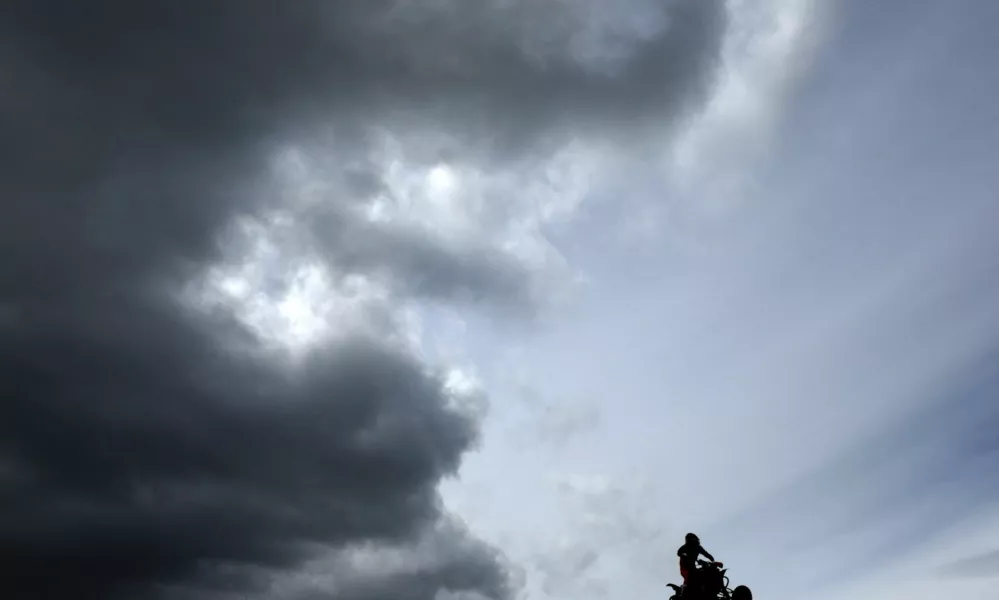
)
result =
(688, 554)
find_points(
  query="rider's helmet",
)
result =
(692, 538)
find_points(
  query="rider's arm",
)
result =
(706, 553)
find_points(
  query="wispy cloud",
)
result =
(810, 383)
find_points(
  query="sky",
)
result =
(496, 301)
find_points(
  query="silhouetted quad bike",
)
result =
(710, 583)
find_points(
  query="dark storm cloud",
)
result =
(135, 443)
(118, 98)
(143, 447)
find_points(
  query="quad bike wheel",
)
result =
(676, 591)
(742, 593)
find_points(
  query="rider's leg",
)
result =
(692, 581)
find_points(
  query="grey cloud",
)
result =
(560, 425)
(477, 64)
(420, 263)
(145, 449)
(568, 571)
(981, 565)
(445, 558)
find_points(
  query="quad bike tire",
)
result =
(742, 593)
